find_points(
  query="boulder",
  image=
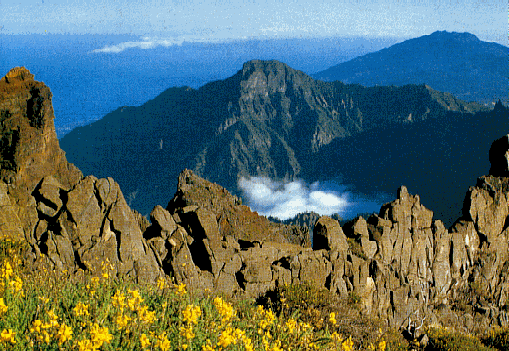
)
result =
(328, 235)
(233, 218)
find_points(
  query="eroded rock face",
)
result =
(232, 218)
(77, 223)
(207, 239)
(88, 225)
(29, 148)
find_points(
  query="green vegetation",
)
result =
(445, 339)
(46, 310)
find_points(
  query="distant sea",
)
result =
(86, 85)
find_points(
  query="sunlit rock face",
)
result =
(29, 146)
(71, 223)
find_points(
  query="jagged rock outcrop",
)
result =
(200, 200)
(208, 239)
(404, 265)
(73, 223)
(29, 148)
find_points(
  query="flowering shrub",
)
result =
(45, 310)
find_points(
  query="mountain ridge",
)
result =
(459, 63)
(266, 120)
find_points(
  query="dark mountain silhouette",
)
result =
(458, 63)
(438, 159)
(266, 120)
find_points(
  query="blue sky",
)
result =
(167, 23)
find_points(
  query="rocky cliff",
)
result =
(74, 223)
(402, 264)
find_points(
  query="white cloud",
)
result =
(285, 200)
(154, 42)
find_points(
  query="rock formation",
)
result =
(75, 222)
(29, 147)
(403, 265)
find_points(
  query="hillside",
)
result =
(458, 63)
(266, 120)
(429, 157)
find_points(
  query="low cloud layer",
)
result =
(285, 200)
(152, 43)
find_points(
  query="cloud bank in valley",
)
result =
(284, 200)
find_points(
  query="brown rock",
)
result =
(29, 146)
(233, 219)
(328, 235)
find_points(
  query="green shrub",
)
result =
(445, 339)
(497, 338)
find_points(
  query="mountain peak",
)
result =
(268, 67)
(458, 63)
(253, 65)
(465, 36)
(18, 74)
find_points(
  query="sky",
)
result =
(165, 23)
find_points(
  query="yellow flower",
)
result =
(36, 326)
(145, 342)
(161, 283)
(86, 345)
(52, 315)
(337, 338)
(7, 271)
(248, 344)
(100, 335)
(225, 310)
(347, 344)
(268, 318)
(135, 301)
(332, 318)
(226, 338)
(122, 321)
(17, 284)
(145, 315)
(3, 306)
(162, 342)
(207, 346)
(81, 310)
(291, 324)
(44, 300)
(64, 334)
(187, 332)
(118, 299)
(191, 314)
(7, 335)
(382, 345)
(181, 288)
